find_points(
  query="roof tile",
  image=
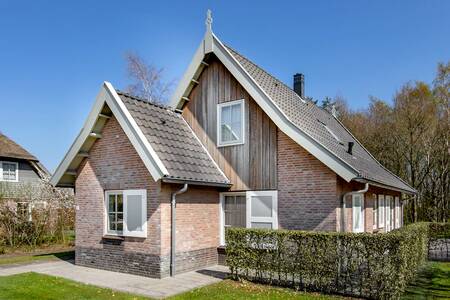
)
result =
(173, 141)
(314, 121)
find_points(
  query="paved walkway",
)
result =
(155, 288)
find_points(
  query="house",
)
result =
(20, 173)
(156, 186)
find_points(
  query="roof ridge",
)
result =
(318, 111)
(262, 69)
(137, 98)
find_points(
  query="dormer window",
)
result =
(230, 123)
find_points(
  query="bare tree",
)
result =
(147, 80)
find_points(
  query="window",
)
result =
(230, 123)
(375, 212)
(381, 210)
(115, 212)
(392, 208)
(9, 171)
(255, 209)
(388, 213)
(397, 212)
(358, 212)
(126, 213)
(235, 211)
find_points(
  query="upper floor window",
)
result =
(9, 171)
(230, 123)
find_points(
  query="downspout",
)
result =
(173, 227)
(344, 215)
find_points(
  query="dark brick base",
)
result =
(190, 260)
(113, 258)
(117, 260)
(222, 259)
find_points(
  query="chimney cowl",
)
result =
(299, 85)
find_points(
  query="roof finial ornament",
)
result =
(209, 20)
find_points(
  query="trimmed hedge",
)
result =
(377, 266)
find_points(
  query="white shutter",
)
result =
(397, 212)
(262, 209)
(135, 213)
(388, 213)
(358, 212)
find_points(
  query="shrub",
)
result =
(44, 216)
(377, 266)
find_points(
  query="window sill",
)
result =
(231, 144)
(113, 237)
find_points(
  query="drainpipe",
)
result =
(173, 227)
(344, 215)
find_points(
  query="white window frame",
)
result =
(248, 218)
(1, 170)
(362, 229)
(125, 232)
(273, 220)
(375, 212)
(397, 212)
(388, 200)
(381, 211)
(106, 230)
(219, 122)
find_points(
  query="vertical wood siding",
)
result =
(251, 166)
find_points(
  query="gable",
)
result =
(153, 131)
(106, 104)
(113, 161)
(294, 116)
(251, 165)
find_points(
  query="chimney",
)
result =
(350, 148)
(299, 85)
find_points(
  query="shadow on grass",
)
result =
(433, 281)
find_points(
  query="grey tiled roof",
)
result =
(173, 141)
(314, 121)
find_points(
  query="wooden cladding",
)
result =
(251, 166)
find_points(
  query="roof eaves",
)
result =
(370, 154)
(387, 186)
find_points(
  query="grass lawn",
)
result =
(38, 286)
(27, 258)
(230, 290)
(433, 282)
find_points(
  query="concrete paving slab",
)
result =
(154, 288)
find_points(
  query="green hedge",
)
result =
(377, 266)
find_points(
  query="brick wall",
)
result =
(369, 198)
(113, 163)
(197, 227)
(307, 197)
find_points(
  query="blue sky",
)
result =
(54, 55)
